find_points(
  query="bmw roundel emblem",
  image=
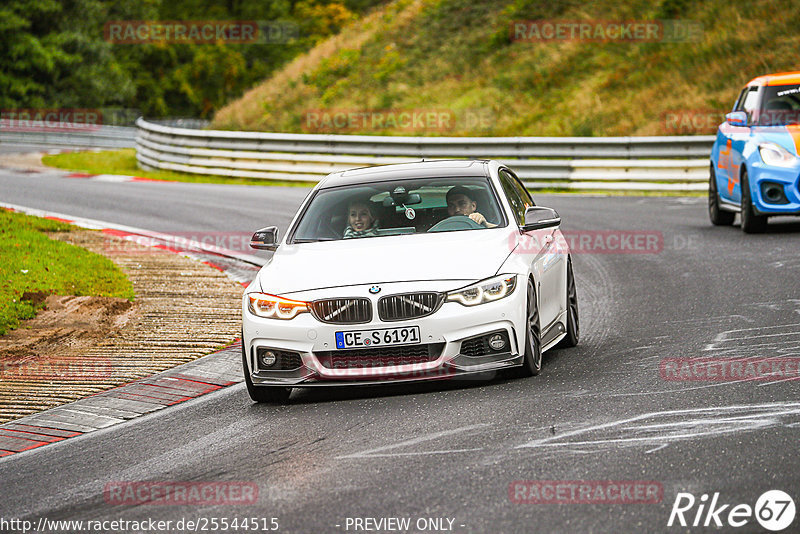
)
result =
(375, 290)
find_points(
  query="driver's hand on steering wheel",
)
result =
(478, 218)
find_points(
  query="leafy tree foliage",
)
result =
(53, 53)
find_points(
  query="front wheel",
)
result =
(264, 394)
(532, 362)
(573, 325)
(751, 223)
(717, 216)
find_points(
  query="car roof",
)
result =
(778, 78)
(401, 171)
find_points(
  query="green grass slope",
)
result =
(457, 57)
(32, 262)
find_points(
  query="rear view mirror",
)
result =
(538, 217)
(736, 118)
(265, 239)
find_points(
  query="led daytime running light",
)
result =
(484, 291)
(275, 307)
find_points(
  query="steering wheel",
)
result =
(456, 222)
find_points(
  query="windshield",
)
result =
(412, 206)
(781, 105)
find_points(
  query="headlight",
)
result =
(484, 291)
(274, 307)
(776, 155)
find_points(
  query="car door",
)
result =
(731, 143)
(546, 257)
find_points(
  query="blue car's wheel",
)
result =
(717, 216)
(751, 223)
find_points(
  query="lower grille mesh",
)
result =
(380, 357)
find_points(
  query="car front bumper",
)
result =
(787, 178)
(443, 331)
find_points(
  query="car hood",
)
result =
(466, 255)
(786, 136)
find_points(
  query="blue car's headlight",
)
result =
(488, 290)
(775, 155)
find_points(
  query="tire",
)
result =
(573, 322)
(751, 223)
(718, 217)
(532, 362)
(264, 394)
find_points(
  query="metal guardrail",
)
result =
(70, 135)
(633, 163)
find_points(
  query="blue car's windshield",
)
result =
(412, 206)
(780, 105)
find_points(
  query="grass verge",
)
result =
(123, 162)
(32, 262)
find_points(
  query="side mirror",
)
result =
(736, 118)
(538, 217)
(265, 239)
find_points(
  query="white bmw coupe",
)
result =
(418, 271)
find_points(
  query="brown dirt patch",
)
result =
(67, 325)
(27, 161)
(80, 346)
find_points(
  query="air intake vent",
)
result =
(380, 357)
(342, 311)
(408, 306)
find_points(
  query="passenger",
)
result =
(361, 220)
(461, 201)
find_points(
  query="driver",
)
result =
(460, 201)
(361, 220)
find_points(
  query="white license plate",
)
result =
(377, 338)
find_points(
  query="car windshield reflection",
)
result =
(407, 207)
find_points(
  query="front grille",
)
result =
(380, 357)
(342, 311)
(408, 306)
(284, 360)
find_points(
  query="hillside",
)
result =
(457, 60)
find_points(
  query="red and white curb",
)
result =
(116, 178)
(180, 384)
(247, 264)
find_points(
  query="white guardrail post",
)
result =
(625, 163)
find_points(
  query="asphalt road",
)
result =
(601, 411)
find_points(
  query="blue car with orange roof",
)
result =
(755, 161)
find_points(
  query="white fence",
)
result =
(70, 135)
(628, 163)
